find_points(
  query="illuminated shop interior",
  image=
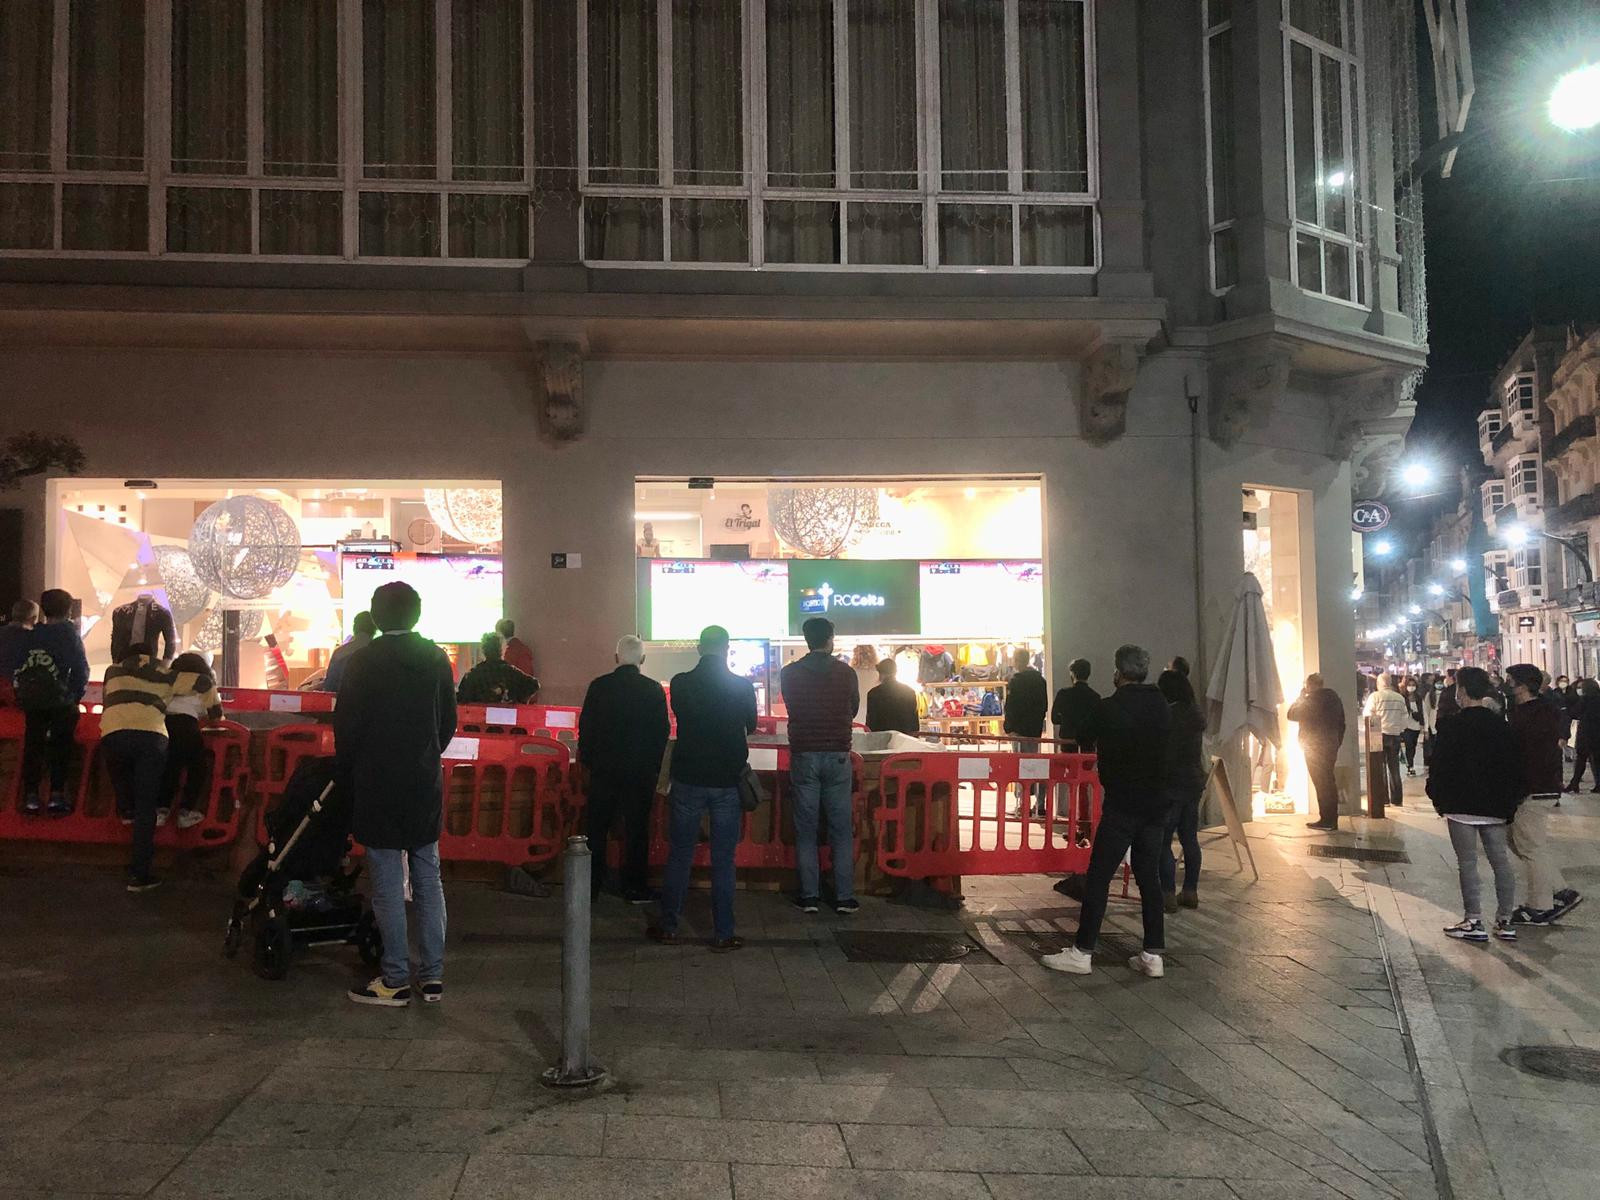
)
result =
(1274, 534)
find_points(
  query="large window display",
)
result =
(267, 575)
(1273, 541)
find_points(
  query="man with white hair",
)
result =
(622, 734)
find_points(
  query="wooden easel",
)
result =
(1230, 814)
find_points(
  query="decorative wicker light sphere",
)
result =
(209, 638)
(187, 597)
(466, 514)
(244, 547)
(822, 521)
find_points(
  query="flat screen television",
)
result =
(462, 594)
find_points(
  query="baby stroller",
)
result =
(298, 891)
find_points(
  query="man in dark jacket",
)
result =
(1027, 702)
(1320, 714)
(1075, 706)
(892, 705)
(494, 680)
(49, 673)
(716, 709)
(821, 695)
(1539, 728)
(396, 714)
(622, 734)
(362, 630)
(1130, 729)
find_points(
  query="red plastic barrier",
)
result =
(286, 746)
(262, 700)
(555, 721)
(949, 814)
(508, 804)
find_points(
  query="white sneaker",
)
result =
(188, 818)
(162, 814)
(1148, 964)
(1071, 960)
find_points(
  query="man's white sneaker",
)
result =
(1148, 964)
(1071, 960)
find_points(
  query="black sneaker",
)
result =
(639, 896)
(432, 991)
(59, 805)
(1566, 901)
(1505, 931)
(142, 883)
(31, 806)
(848, 907)
(1524, 915)
(808, 904)
(1568, 894)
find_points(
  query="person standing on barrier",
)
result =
(892, 705)
(48, 673)
(622, 734)
(1131, 728)
(1027, 703)
(716, 710)
(188, 759)
(820, 692)
(1186, 783)
(396, 714)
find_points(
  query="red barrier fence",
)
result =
(509, 802)
(555, 721)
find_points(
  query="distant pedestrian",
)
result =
(1539, 728)
(1586, 747)
(622, 735)
(1474, 785)
(362, 630)
(1414, 722)
(494, 680)
(1131, 728)
(1387, 713)
(820, 692)
(1320, 714)
(1185, 783)
(48, 672)
(716, 711)
(1027, 704)
(864, 662)
(1430, 717)
(188, 759)
(1075, 705)
(396, 714)
(892, 705)
(518, 653)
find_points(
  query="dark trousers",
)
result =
(630, 800)
(188, 760)
(1585, 756)
(1183, 821)
(1408, 739)
(1319, 765)
(1117, 833)
(1391, 762)
(47, 741)
(135, 759)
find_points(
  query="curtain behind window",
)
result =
(105, 87)
(707, 93)
(398, 77)
(623, 137)
(1055, 104)
(486, 89)
(883, 94)
(800, 131)
(25, 61)
(208, 87)
(300, 89)
(972, 96)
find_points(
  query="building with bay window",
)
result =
(1125, 294)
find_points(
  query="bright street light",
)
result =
(1415, 610)
(1575, 100)
(1355, 593)
(1416, 475)
(1515, 535)
(1436, 589)
(1458, 564)
(1382, 547)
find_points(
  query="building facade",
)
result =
(1574, 455)
(1142, 262)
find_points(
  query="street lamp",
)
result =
(1458, 564)
(1382, 547)
(1518, 536)
(1416, 474)
(1574, 104)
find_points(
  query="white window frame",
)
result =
(157, 175)
(1495, 488)
(1517, 470)
(1523, 386)
(1526, 563)
(1223, 29)
(930, 194)
(1356, 150)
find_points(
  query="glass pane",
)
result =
(1057, 235)
(295, 222)
(707, 93)
(486, 91)
(398, 110)
(972, 96)
(622, 229)
(26, 220)
(300, 89)
(25, 74)
(711, 231)
(1218, 11)
(105, 86)
(1305, 132)
(1320, 18)
(208, 80)
(800, 111)
(1338, 267)
(1361, 278)
(883, 94)
(489, 226)
(1225, 259)
(1308, 258)
(1335, 167)
(104, 216)
(399, 225)
(1219, 65)
(801, 231)
(975, 235)
(1055, 104)
(886, 234)
(208, 220)
(622, 92)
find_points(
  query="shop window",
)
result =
(865, 133)
(1276, 553)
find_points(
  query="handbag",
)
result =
(751, 793)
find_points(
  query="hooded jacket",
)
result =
(1475, 770)
(822, 698)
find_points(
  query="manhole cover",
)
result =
(1363, 854)
(1566, 1063)
(891, 946)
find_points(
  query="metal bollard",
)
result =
(575, 1069)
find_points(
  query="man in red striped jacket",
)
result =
(822, 696)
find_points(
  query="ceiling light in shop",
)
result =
(468, 514)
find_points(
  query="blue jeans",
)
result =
(135, 760)
(1183, 820)
(822, 784)
(389, 906)
(689, 802)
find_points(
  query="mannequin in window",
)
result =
(143, 621)
(648, 546)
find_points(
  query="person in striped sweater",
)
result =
(133, 739)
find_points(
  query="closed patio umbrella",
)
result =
(1244, 693)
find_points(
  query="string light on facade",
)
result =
(244, 547)
(470, 515)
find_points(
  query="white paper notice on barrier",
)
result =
(462, 749)
(972, 768)
(763, 758)
(500, 716)
(561, 720)
(1033, 768)
(281, 703)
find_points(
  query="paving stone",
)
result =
(276, 1173)
(866, 1104)
(820, 1183)
(48, 1164)
(922, 1070)
(302, 1123)
(640, 1097)
(480, 1130)
(647, 1062)
(695, 1139)
(1054, 1187)
(172, 1121)
(1043, 1110)
(1216, 1156)
(388, 1088)
(911, 1148)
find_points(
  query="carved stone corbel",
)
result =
(1109, 374)
(1246, 384)
(1370, 418)
(558, 391)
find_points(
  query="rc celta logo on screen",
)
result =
(820, 598)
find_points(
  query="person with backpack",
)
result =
(49, 673)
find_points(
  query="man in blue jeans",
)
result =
(396, 714)
(716, 710)
(821, 693)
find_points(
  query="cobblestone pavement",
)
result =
(1270, 1063)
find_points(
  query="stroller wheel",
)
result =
(273, 943)
(368, 940)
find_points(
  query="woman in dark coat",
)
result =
(1185, 784)
(1587, 746)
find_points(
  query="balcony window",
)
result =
(1216, 34)
(1526, 478)
(866, 134)
(1521, 398)
(1490, 423)
(1528, 569)
(1494, 497)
